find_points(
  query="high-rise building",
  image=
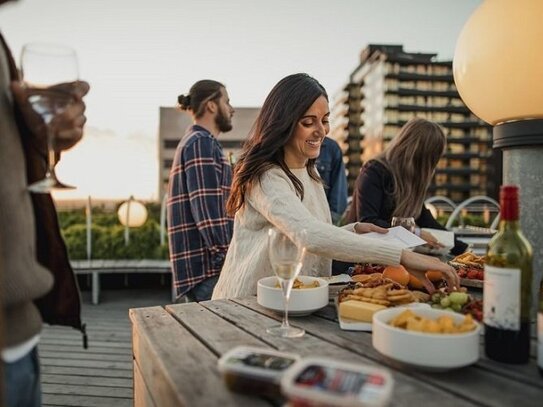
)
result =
(173, 124)
(390, 87)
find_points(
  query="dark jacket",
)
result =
(61, 305)
(332, 171)
(373, 202)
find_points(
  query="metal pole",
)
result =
(163, 218)
(88, 215)
(127, 221)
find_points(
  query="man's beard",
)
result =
(223, 122)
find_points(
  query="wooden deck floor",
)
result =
(102, 374)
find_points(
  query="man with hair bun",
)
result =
(199, 230)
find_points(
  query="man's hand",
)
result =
(68, 125)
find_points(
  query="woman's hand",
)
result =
(67, 125)
(430, 240)
(418, 264)
(362, 227)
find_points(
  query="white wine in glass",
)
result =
(286, 258)
(45, 67)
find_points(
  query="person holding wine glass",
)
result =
(276, 185)
(37, 282)
(394, 184)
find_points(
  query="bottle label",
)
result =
(540, 339)
(501, 298)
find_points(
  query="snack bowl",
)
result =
(428, 351)
(303, 301)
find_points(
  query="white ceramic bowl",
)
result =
(302, 301)
(425, 350)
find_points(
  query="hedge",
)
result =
(108, 236)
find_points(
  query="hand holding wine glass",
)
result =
(286, 258)
(52, 91)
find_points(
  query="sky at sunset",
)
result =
(139, 55)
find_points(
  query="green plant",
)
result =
(108, 241)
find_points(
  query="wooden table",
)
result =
(176, 350)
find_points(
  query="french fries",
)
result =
(470, 259)
(298, 284)
(445, 324)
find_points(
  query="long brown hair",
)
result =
(274, 126)
(412, 157)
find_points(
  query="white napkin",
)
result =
(398, 235)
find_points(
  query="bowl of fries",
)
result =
(426, 338)
(308, 295)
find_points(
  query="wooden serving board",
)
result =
(469, 282)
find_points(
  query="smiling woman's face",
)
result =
(310, 130)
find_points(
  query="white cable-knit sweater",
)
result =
(273, 202)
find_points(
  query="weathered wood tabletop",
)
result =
(176, 349)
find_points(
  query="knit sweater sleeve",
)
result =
(274, 197)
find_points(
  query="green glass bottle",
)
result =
(507, 296)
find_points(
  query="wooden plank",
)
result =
(85, 356)
(169, 357)
(218, 334)
(85, 371)
(479, 385)
(84, 401)
(79, 342)
(95, 364)
(84, 390)
(142, 395)
(408, 391)
(87, 380)
(91, 350)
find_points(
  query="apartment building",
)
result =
(173, 124)
(391, 86)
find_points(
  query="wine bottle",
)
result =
(507, 295)
(540, 331)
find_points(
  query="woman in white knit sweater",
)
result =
(276, 185)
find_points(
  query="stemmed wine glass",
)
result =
(44, 66)
(407, 223)
(286, 258)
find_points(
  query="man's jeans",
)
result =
(202, 291)
(23, 381)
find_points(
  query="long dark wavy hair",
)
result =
(274, 126)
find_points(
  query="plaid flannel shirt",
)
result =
(199, 231)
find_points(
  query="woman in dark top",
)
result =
(395, 183)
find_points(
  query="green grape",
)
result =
(445, 302)
(437, 306)
(458, 298)
(436, 297)
(449, 309)
(457, 307)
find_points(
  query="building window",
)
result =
(170, 144)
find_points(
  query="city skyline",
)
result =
(139, 56)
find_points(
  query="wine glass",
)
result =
(43, 66)
(407, 223)
(286, 258)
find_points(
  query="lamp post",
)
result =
(498, 70)
(132, 214)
